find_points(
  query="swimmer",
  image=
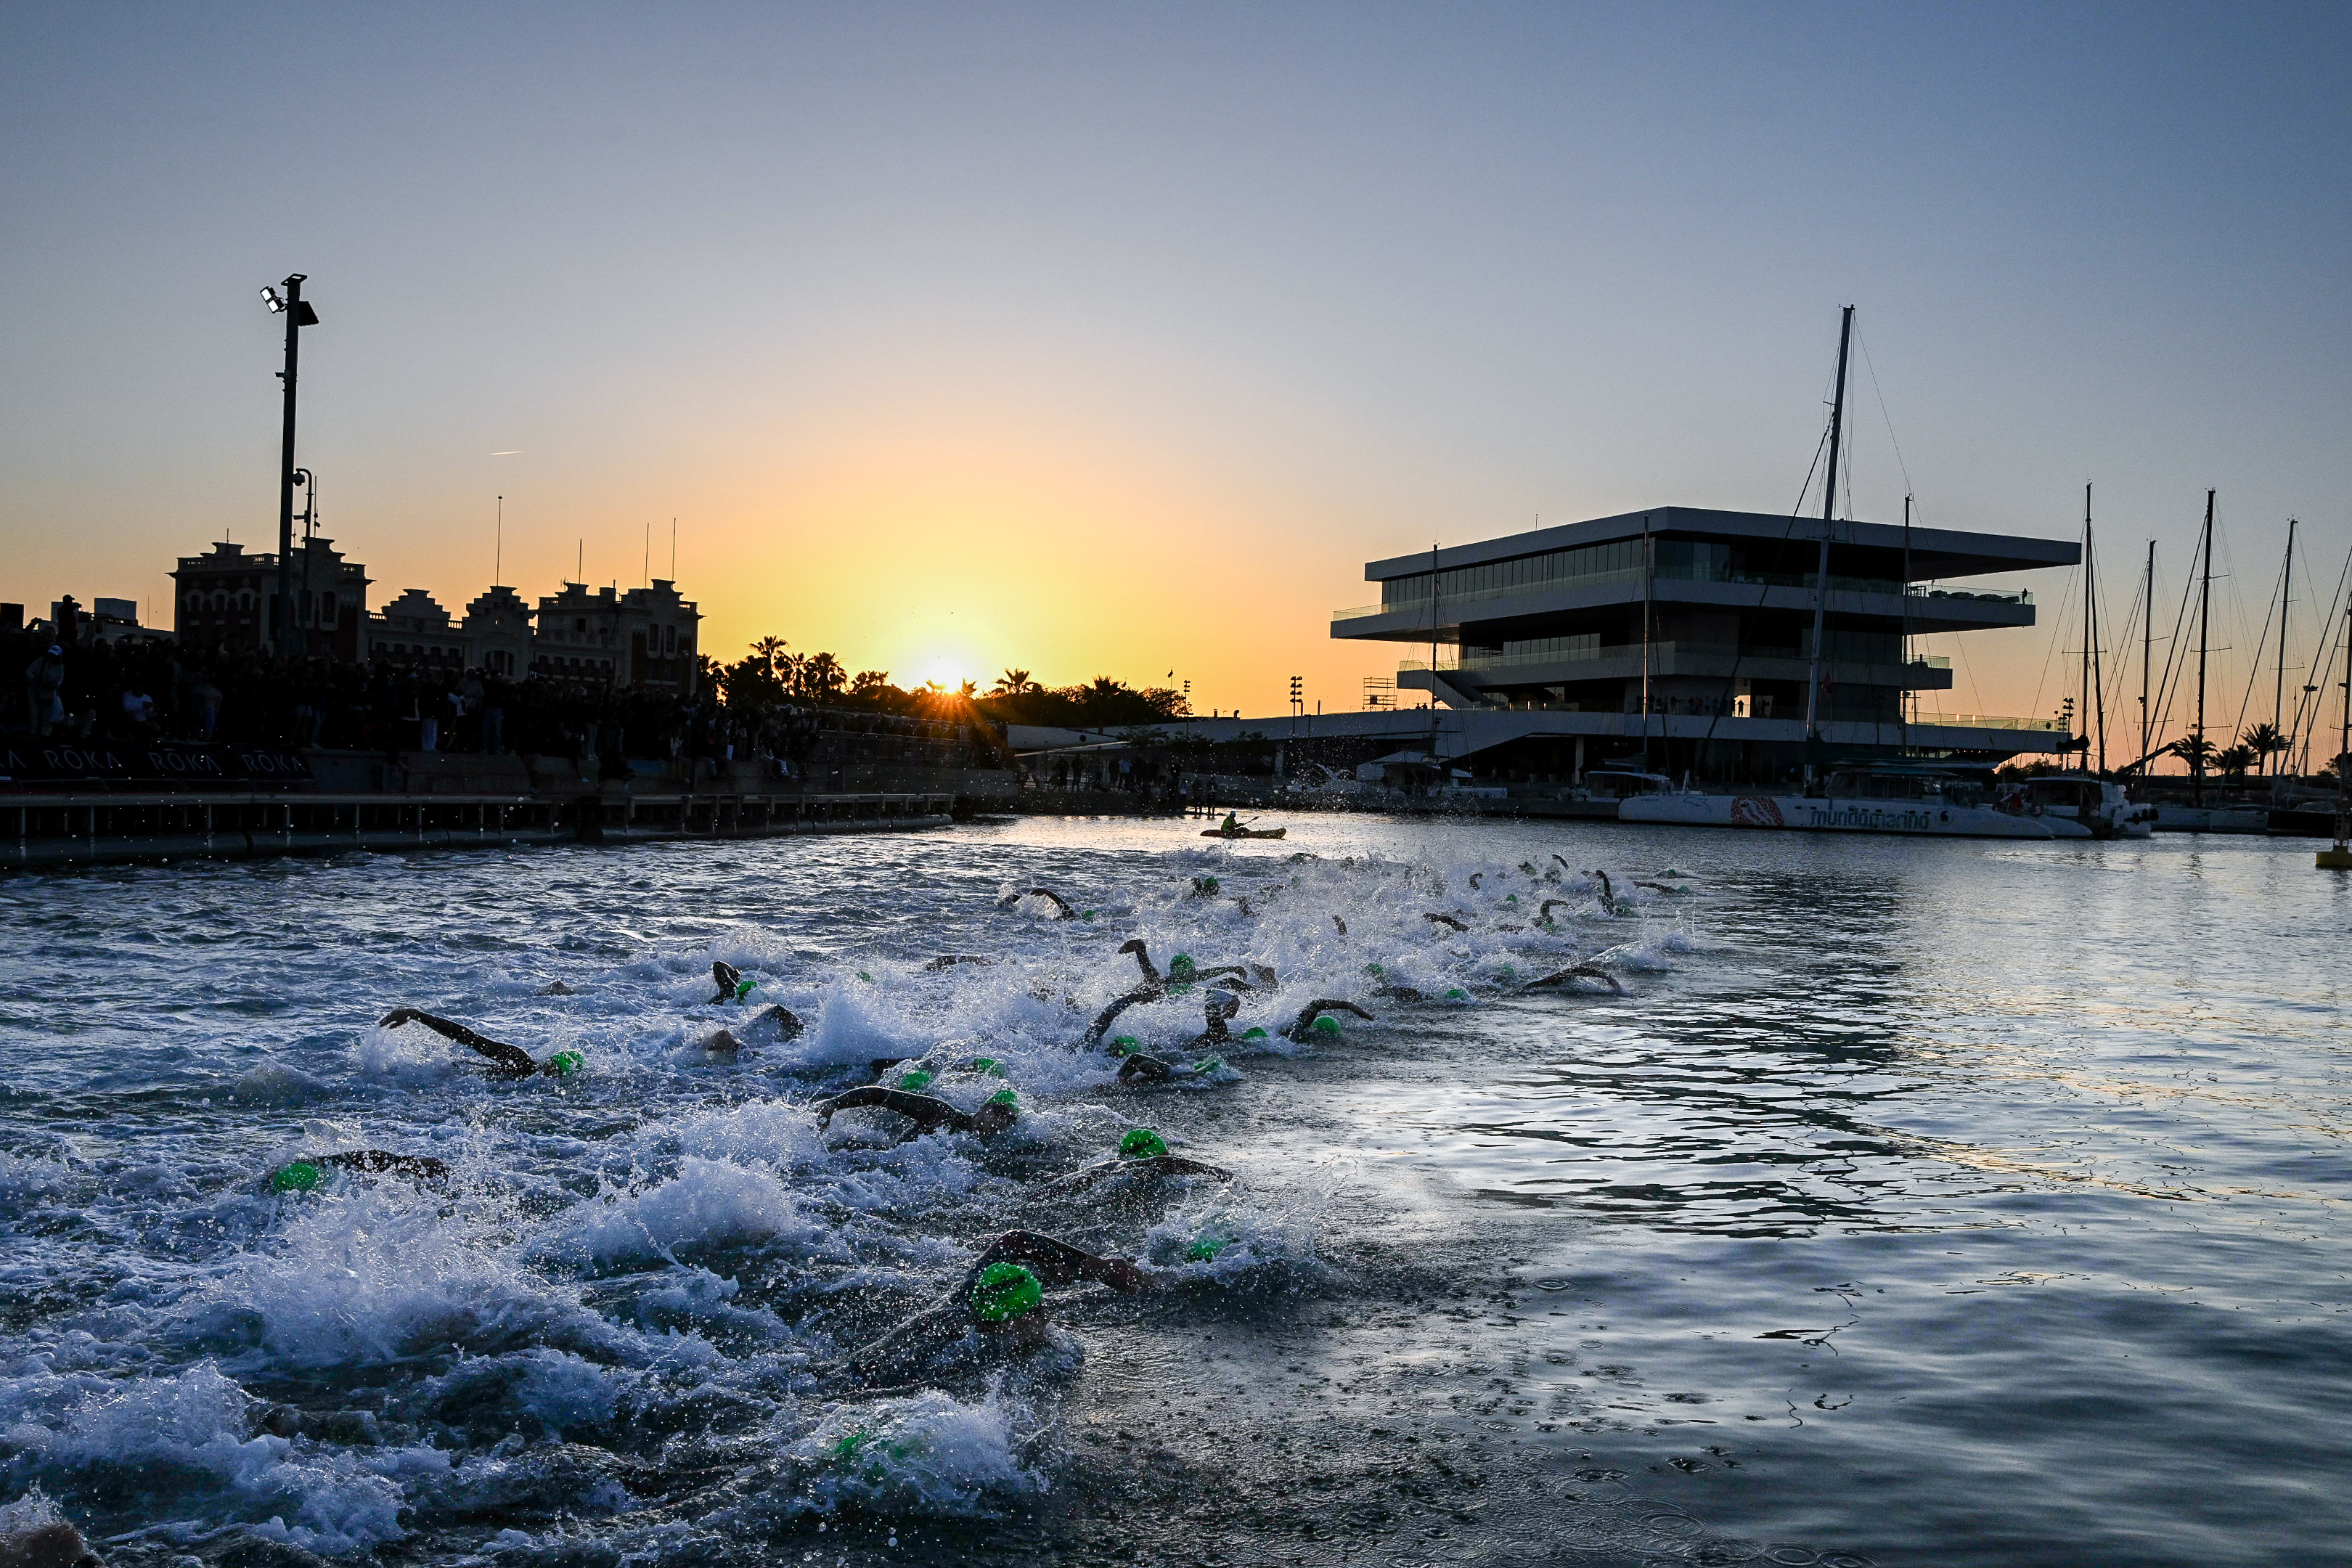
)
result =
(928, 1112)
(1136, 1068)
(1062, 910)
(1001, 1298)
(1543, 917)
(732, 987)
(1104, 1019)
(1577, 971)
(1608, 893)
(303, 1172)
(1445, 921)
(949, 960)
(512, 1061)
(1340, 923)
(1310, 1015)
(1142, 1152)
(1182, 971)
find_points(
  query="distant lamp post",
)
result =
(299, 315)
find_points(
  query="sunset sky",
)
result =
(1116, 339)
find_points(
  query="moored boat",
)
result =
(1920, 802)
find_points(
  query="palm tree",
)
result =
(822, 675)
(2265, 742)
(1012, 683)
(2236, 760)
(968, 690)
(767, 649)
(2194, 749)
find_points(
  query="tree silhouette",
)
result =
(2265, 742)
(2237, 760)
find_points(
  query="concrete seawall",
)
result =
(428, 801)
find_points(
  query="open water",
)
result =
(1918, 1203)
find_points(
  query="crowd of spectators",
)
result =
(86, 689)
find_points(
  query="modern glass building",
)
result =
(1688, 637)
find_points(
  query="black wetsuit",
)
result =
(928, 1112)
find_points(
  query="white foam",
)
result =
(928, 1453)
(709, 1204)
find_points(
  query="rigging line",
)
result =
(2113, 690)
(2307, 694)
(2175, 660)
(2057, 634)
(1900, 465)
(1739, 644)
(2324, 656)
(2255, 669)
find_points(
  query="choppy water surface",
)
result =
(1918, 1203)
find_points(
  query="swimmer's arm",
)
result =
(1104, 1019)
(1058, 1263)
(1139, 1067)
(512, 1058)
(923, 1109)
(728, 978)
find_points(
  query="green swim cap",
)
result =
(988, 1065)
(1457, 994)
(745, 989)
(1003, 1097)
(1206, 1248)
(1122, 1044)
(1326, 1025)
(1207, 884)
(912, 1080)
(1510, 898)
(1252, 1033)
(1142, 1144)
(1085, 914)
(1005, 1291)
(301, 1176)
(566, 1063)
(1181, 965)
(1207, 1065)
(1374, 970)
(866, 977)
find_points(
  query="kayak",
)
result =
(1244, 833)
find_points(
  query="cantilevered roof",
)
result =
(1935, 553)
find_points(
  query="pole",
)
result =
(2204, 617)
(2146, 647)
(1646, 579)
(498, 550)
(1905, 699)
(1822, 568)
(2286, 587)
(2095, 695)
(282, 619)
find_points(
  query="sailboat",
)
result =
(1928, 799)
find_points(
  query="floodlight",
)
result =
(276, 304)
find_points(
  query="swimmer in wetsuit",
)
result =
(511, 1061)
(928, 1112)
(1000, 1298)
(1310, 1015)
(733, 987)
(303, 1173)
(1142, 1152)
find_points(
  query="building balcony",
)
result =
(1721, 661)
(1926, 607)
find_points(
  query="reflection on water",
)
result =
(1919, 1202)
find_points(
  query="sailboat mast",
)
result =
(2204, 620)
(2146, 649)
(1822, 566)
(1904, 698)
(2286, 588)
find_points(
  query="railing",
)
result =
(1420, 605)
(1988, 722)
(1663, 650)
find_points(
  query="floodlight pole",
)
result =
(282, 628)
